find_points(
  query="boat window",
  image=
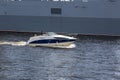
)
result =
(59, 38)
(51, 33)
(56, 11)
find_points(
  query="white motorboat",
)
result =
(51, 39)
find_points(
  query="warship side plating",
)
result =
(72, 16)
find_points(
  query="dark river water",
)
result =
(92, 59)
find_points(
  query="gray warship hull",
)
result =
(61, 24)
(96, 17)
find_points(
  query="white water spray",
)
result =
(23, 43)
(19, 43)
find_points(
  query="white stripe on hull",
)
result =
(55, 45)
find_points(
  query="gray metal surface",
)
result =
(61, 24)
(78, 16)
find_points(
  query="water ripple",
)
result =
(90, 60)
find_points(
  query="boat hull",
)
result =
(56, 45)
(110, 26)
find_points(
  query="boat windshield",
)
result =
(51, 33)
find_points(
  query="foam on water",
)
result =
(69, 46)
(23, 43)
(19, 43)
(92, 59)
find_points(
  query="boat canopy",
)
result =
(51, 33)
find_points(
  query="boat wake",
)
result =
(19, 43)
(23, 43)
(69, 46)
